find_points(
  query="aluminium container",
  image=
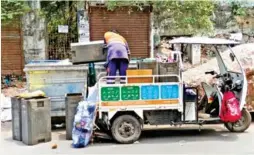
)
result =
(71, 104)
(149, 64)
(36, 120)
(57, 79)
(168, 69)
(16, 118)
(86, 52)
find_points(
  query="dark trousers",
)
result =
(115, 65)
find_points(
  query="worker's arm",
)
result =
(105, 43)
(104, 48)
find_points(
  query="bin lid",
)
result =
(48, 62)
(87, 43)
(60, 65)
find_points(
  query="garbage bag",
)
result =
(5, 115)
(230, 108)
(83, 124)
(81, 139)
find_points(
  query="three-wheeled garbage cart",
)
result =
(164, 99)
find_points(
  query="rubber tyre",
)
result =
(131, 120)
(247, 121)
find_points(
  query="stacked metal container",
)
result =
(16, 118)
(167, 69)
(71, 104)
(36, 120)
(149, 64)
(160, 68)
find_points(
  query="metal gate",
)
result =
(59, 46)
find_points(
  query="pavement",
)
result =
(212, 139)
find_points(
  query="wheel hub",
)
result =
(239, 122)
(126, 129)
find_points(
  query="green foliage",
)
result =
(237, 8)
(60, 13)
(186, 17)
(113, 4)
(13, 9)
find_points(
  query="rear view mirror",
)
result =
(232, 56)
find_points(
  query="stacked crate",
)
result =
(149, 64)
(140, 72)
(161, 68)
(168, 69)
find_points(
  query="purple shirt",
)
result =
(117, 51)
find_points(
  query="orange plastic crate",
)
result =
(140, 72)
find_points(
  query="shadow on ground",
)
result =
(172, 135)
(181, 135)
(186, 135)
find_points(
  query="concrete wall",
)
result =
(34, 37)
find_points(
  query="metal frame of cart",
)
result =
(125, 117)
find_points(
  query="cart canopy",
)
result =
(203, 40)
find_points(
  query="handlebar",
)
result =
(217, 76)
(207, 72)
(211, 72)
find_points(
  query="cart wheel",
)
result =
(241, 125)
(126, 129)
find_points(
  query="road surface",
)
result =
(212, 139)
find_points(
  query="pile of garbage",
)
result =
(164, 54)
(12, 81)
(244, 52)
(5, 104)
(6, 111)
(250, 95)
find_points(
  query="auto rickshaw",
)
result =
(124, 110)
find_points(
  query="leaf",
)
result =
(10, 16)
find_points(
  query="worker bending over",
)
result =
(118, 55)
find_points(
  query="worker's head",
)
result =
(115, 31)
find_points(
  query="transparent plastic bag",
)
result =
(93, 94)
